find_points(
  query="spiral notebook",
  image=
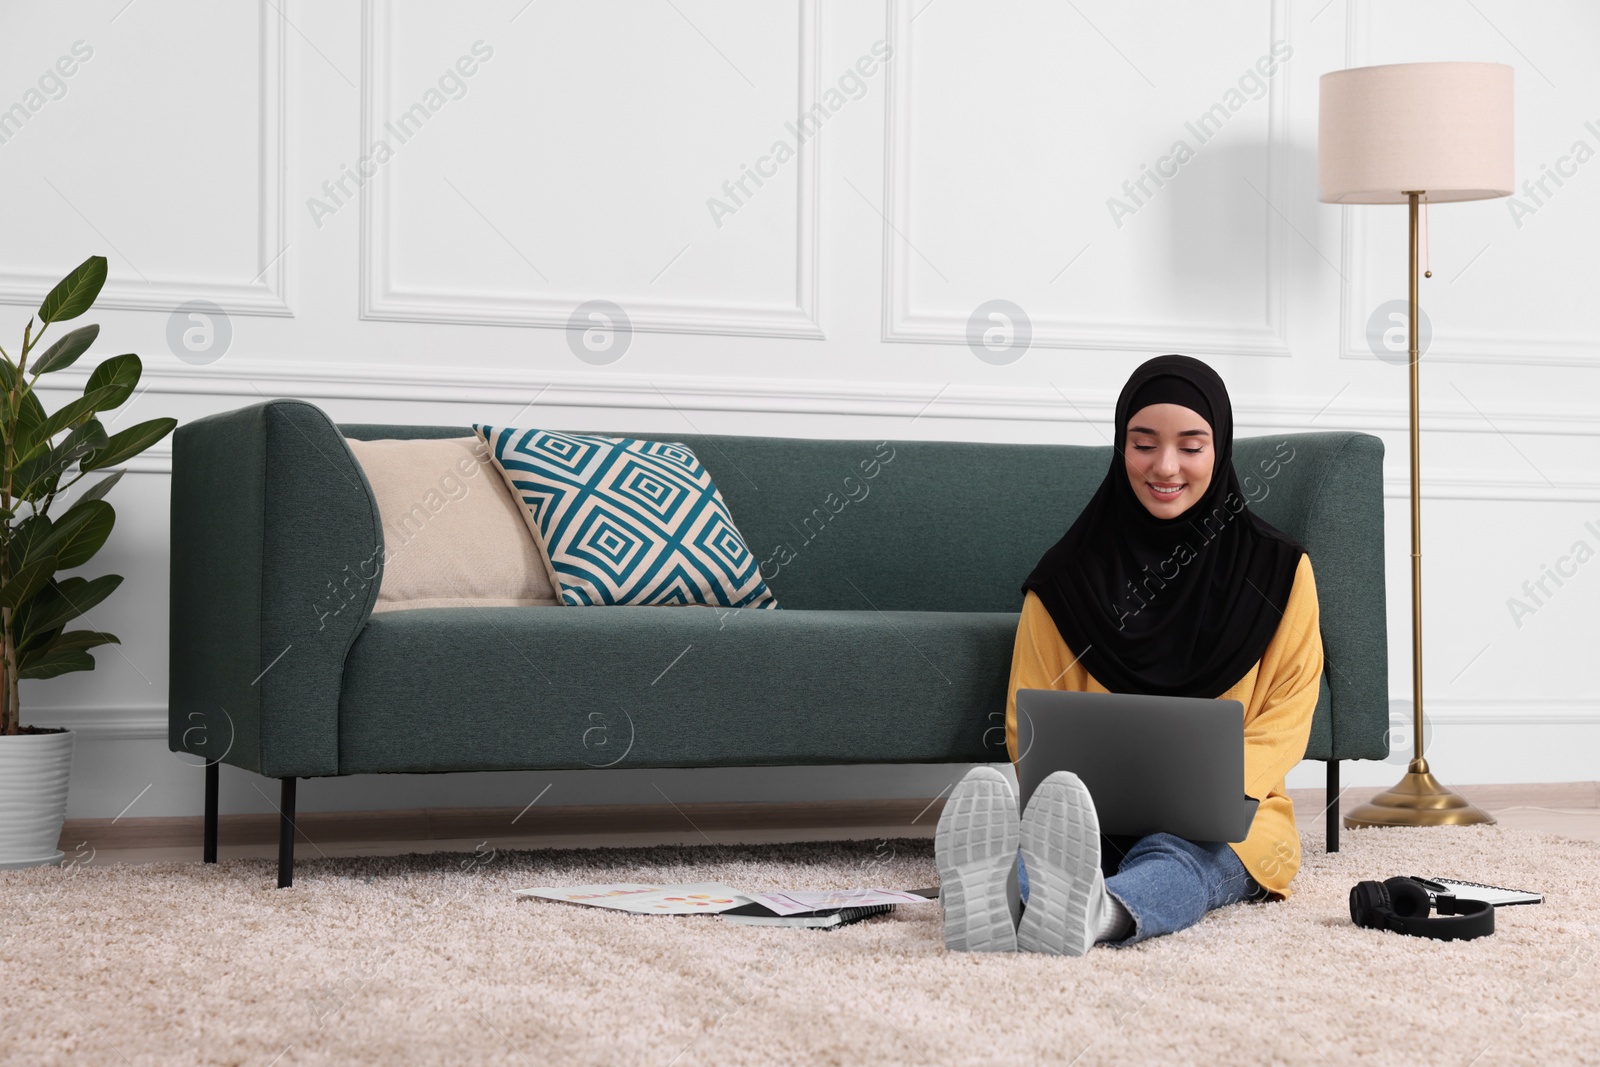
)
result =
(1493, 894)
(826, 919)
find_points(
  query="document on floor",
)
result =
(643, 899)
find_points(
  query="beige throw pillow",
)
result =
(453, 535)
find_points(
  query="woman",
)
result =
(1165, 584)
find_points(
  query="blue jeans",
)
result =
(1168, 883)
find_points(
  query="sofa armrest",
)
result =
(277, 554)
(1329, 497)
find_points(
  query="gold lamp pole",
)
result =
(1419, 799)
(1394, 134)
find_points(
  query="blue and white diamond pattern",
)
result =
(626, 521)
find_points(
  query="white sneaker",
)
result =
(976, 852)
(1060, 840)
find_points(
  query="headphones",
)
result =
(1402, 905)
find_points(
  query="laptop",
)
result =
(1153, 764)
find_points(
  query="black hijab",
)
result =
(1178, 607)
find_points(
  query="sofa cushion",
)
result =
(626, 521)
(453, 535)
(512, 688)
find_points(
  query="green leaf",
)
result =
(8, 375)
(53, 663)
(30, 416)
(79, 533)
(119, 374)
(83, 639)
(26, 580)
(59, 602)
(129, 443)
(99, 489)
(69, 642)
(75, 411)
(32, 480)
(40, 474)
(74, 294)
(36, 448)
(28, 538)
(87, 435)
(66, 351)
(31, 640)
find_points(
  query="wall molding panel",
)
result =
(265, 294)
(949, 325)
(1495, 348)
(381, 299)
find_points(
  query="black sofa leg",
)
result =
(1332, 798)
(286, 834)
(209, 849)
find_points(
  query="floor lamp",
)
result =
(1402, 134)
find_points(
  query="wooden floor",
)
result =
(1569, 808)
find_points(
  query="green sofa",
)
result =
(899, 594)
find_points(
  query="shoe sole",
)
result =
(976, 848)
(1060, 842)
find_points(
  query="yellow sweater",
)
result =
(1279, 694)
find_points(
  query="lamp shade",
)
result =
(1439, 128)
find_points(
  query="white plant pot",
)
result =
(34, 769)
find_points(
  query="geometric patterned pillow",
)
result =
(626, 521)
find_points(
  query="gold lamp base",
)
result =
(1418, 800)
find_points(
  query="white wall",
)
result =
(576, 163)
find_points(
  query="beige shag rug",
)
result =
(431, 959)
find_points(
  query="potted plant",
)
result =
(42, 454)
